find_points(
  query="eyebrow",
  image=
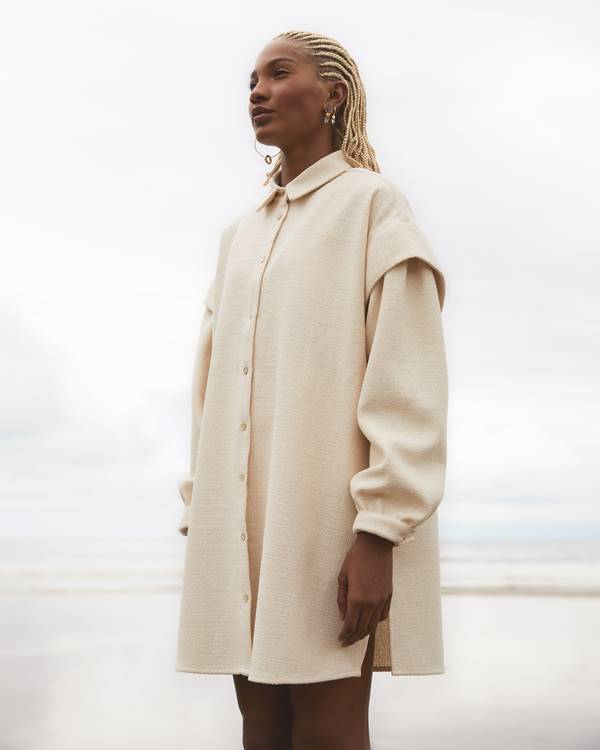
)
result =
(276, 60)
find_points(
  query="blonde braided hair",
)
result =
(334, 62)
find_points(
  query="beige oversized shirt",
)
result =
(319, 406)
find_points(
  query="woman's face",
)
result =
(285, 81)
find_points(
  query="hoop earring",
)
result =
(268, 158)
(329, 116)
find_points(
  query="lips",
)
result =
(260, 110)
(261, 115)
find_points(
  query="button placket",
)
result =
(279, 219)
(246, 371)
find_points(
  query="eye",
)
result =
(279, 70)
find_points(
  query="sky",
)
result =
(126, 147)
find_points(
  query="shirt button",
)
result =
(279, 216)
(262, 259)
(242, 536)
(245, 370)
(249, 315)
(242, 477)
(245, 597)
(243, 426)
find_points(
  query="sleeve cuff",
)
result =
(394, 530)
(185, 490)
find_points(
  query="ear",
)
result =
(338, 93)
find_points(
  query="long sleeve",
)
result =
(402, 408)
(199, 380)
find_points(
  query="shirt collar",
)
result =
(318, 173)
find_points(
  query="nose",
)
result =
(256, 95)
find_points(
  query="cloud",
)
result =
(117, 180)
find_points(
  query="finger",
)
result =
(386, 610)
(377, 612)
(362, 624)
(342, 594)
(350, 621)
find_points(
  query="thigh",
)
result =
(334, 714)
(266, 713)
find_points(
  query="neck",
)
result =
(296, 159)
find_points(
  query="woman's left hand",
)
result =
(364, 586)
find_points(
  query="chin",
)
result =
(265, 138)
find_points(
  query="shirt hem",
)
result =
(295, 681)
(411, 673)
(268, 680)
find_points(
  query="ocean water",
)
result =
(88, 630)
(155, 565)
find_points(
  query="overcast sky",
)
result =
(126, 147)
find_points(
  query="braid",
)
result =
(335, 63)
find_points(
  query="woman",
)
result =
(318, 425)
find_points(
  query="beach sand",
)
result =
(95, 671)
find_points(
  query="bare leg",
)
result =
(266, 713)
(334, 715)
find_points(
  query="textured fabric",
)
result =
(319, 403)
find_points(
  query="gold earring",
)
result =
(329, 116)
(268, 158)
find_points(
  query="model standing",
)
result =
(319, 410)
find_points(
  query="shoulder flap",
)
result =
(393, 243)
